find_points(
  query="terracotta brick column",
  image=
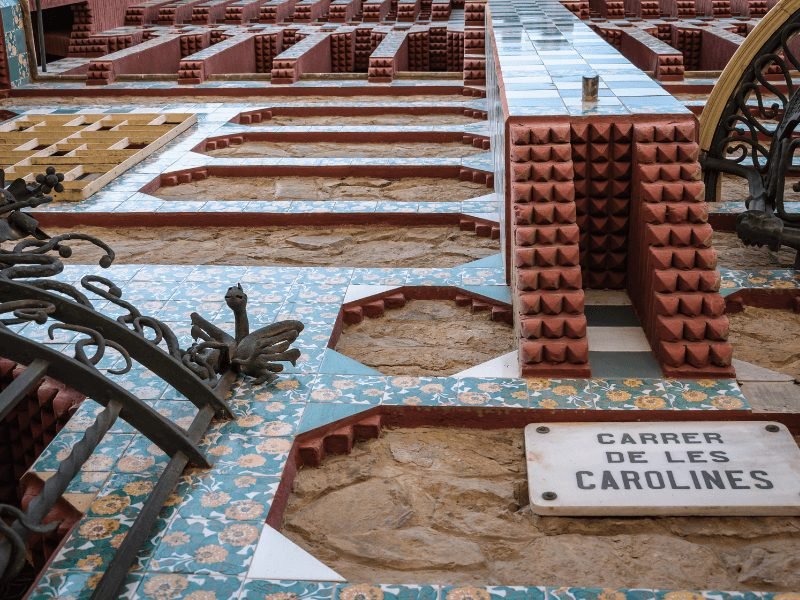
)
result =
(545, 251)
(672, 277)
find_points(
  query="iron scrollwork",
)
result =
(203, 372)
(756, 139)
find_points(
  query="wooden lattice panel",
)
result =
(91, 150)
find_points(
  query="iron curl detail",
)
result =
(755, 139)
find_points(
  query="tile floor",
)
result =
(211, 540)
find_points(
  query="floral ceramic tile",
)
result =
(705, 394)
(492, 392)
(256, 589)
(203, 291)
(665, 394)
(140, 291)
(110, 449)
(122, 497)
(233, 497)
(95, 540)
(88, 482)
(326, 275)
(551, 394)
(492, 593)
(261, 419)
(433, 277)
(309, 362)
(348, 389)
(287, 389)
(259, 457)
(576, 593)
(366, 591)
(266, 293)
(637, 394)
(87, 413)
(76, 585)
(314, 336)
(715, 595)
(365, 276)
(421, 391)
(175, 586)
(309, 314)
(158, 273)
(482, 277)
(202, 546)
(180, 412)
(143, 383)
(732, 280)
(142, 456)
(318, 414)
(271, 276)
(178, 311)
(259, 314)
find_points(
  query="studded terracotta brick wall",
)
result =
(437, 42)
(364, 47)
(100, 45)
(307, 11)
(277, 12)
(342, 12)
(407, 10)
(30, 427)
(546, 251)
(689, 40)
(267, 47)
(209, 13)
(644, 9)
(672, 277)
(24, 434)
(157, 55)
(242, 12)
(613, 35)
(601, 155)
(609, 204)
(175, 12)
(749, 8)
(376, 11)
(455, 51)
(608, 9)
(440, 10)
(475, 12)
(474, 55)
(719, 9)
(343, 52)
(419, 53)
(580, 8)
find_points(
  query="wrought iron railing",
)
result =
(755, 138)
(203, 373)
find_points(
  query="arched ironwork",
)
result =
(203, 373)
(754, 134)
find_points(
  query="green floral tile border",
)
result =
(733, 280)
(183, 586)
(15, 42)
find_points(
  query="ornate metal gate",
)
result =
(748, 128)
(203, 373)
